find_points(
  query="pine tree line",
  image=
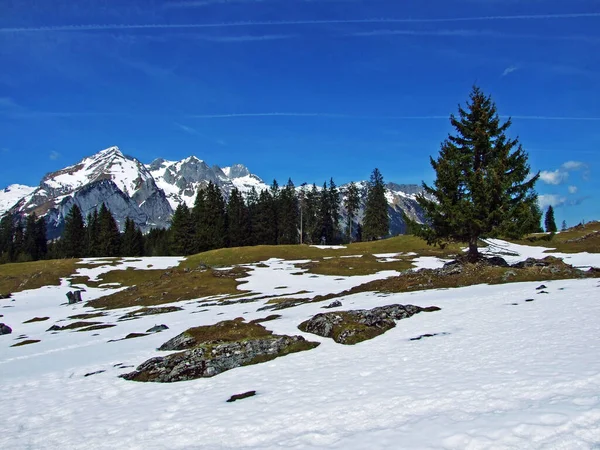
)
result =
(275, 216)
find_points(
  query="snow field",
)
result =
(494, 375)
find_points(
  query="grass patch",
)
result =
(98, 327)
(87, 316)
(27, 342)
(227, 331)
(150, 312)
(37, 319)
(582, 238)
(73, 326)
(248, 255)
(472, 274)
(364, 265)
(266, 319)
(16, 277)
(157, 287)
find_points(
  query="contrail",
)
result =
(101, 27)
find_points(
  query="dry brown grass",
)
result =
(16, 277)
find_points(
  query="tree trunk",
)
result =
(473, 254)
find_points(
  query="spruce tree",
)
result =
(376, 222)
(214, 221)
(311, 215)
(30, 241)
(549, 221)
(483, 186)
(131, 240)
(325, 218)
(7, 231)
(351, 203)
(92, 235)
(563, 227)
(200, 241)
(237, 220)
(41, 238)
(182, 231)
(288, 215)
(109, 238)
(74, 235)
(334, 205)
(264, 220)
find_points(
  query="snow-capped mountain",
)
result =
(121, 182)
(150, 193)
(180, 180)
(13, 194)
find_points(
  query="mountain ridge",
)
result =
(149, 193)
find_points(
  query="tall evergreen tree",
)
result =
(351, 203)
(156, 242)
(214, 221)
(376, 223)
(7, 231)
(334, 205)
(182, 231)
(238, 225)
(563, 227)
(31, 239)
(252, 208)
(109, 240)
(132, 241)
(200, 241)
(74, 234)
(549, 221)
(18, 240)
(92, 235)
(264, 220)
(288, 215)
(483, 184)
(41, 238)
(311, 215)
(325, 218)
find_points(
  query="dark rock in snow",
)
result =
(5, 329)
(333, 304)
(4, 296)
(157, 328)
(94, 373)
(74, 296)
(543, 286)
(352, 327)
(235, 397)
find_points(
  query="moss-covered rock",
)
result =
(213, 349)
(352, 327)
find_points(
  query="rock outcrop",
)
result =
(352, 327)
(5, 329)
(211, 350)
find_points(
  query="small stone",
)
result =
(529, 300)
(235, 397)
(157, 328)
(5, 329)
(94, 373)
(541, 286)
(334, 304)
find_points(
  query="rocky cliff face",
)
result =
(150, 193)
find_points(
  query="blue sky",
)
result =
(306, 89)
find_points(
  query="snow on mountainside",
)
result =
(126, 172)
(12, 194)
(180, 180)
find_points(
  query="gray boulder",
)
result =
(5, 329)
(213, 349)
(352, 327)
(74, 297)
(157, 328)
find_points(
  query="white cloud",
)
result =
(556, 177)
(54, 155)
(546, 200)
(509, 70)
(572, 189)
(573, 165)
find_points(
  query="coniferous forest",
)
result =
(275, 216)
